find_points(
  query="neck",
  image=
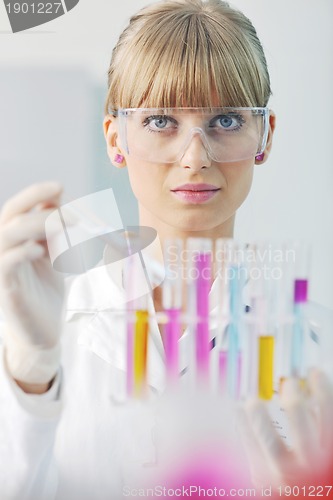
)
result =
(165, 231)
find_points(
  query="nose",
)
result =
(195, 154)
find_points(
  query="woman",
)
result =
(190, 169)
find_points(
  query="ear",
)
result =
(115, 153)
(272, 123)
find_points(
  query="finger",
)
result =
(28, 226)
(322, 393)
(301, 420)
(25, 200)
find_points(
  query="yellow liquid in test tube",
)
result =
(266, 365)
(140, 352)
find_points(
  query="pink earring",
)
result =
(260, 157)
(119, 158)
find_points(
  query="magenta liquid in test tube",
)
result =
(172, 305)
(203, 287)
(171, 338)
(200, 275)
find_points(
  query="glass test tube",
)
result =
(266, 367)
(140, 352)
(219, 355)
(302, 257)
(137, 327)
(233, 365)
(235, 277)
(265, 350)
(172, 305)
(282, 313)
(260, 342)
(249, 347)
(200, 275)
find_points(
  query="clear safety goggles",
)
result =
(162, 135)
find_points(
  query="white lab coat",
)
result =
(70, 443)
(66, 444)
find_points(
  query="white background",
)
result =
(52, 84)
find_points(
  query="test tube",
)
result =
(302, 259)
(282, 312)
(172, 305)
(261, 320)
(219, 355)
(266, 367)
(137, 327)
(140, 352)
(233, 366)
(200, 275)
(266, 343)
(235, 270)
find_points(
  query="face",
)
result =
(193, 194)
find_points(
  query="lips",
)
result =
(196, 187)
(195, 193)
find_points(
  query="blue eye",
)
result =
(228, 122)
(159, 123)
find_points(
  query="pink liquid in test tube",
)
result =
(171, 337)
(203, 266)
(172, 305)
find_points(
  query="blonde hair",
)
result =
(188, 53)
